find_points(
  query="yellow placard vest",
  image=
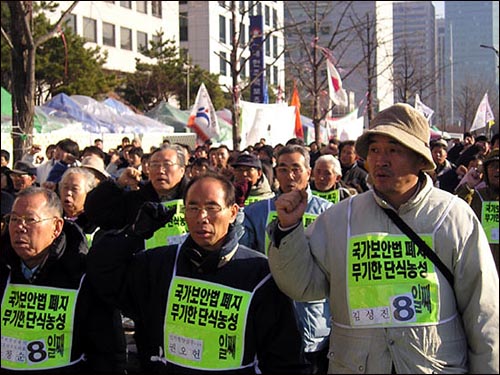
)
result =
(390, 283)
(254, 199)
(205, 324)
(307, 219)
(489, 220)
(37, 327)
(331, 196)
(174, 232)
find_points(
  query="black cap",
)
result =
(247, 160)
(24, 167)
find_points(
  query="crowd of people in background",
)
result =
(213, 216)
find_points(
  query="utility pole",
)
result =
(451, 77)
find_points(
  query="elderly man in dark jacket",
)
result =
(208, 305)
(111, 206)
(52, 320)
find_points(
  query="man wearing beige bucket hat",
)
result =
(397, 307)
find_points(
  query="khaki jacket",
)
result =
(312, 265)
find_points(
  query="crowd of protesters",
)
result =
(151, 240)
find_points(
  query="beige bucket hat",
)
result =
(96, 165)
(406, 125)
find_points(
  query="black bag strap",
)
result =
(428, 252)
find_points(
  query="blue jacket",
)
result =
(313, 316)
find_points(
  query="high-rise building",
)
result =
(209, 27)
(414, 52)
(359, 34)
(441, 62)
(121, 28)
(470, 24)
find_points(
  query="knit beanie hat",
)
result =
(406, 125)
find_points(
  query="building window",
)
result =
(243, 37)
(184, 54)
(267, 16)
(70, 22)
(142, 41)
(275, 75)
(126, 4)
(275, 46)
(222, 29)
(242, 7)
(251, 8)
(259, 9)
(275, 18)
(267, 45)
(222, 4)
(141, 6)
(183, 26)
(126, 38)
(108, 34)
(223, 64)
(90, 29)
(157, 42)
(243, 69)
(156, 8)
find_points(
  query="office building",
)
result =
(415, 52)
(121, 28)
(360, 36)
(470, 24)
(209, 29)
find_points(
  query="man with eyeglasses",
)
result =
(293, 172)
(52, 321)
(206, 305)
(109, 206)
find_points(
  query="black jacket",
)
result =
(138, 282)
(98, 333)
(110, 207)
(356, 177)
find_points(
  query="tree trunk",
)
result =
(23, 73)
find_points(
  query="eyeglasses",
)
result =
(162, 164)
(25, 221)
(211, 210)
(287, 170)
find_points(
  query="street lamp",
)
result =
(489, 47)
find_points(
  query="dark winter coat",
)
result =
(98, 333)
(110, 207)
(139, 282)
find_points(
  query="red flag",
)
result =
(337, 93)
(299, 131)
